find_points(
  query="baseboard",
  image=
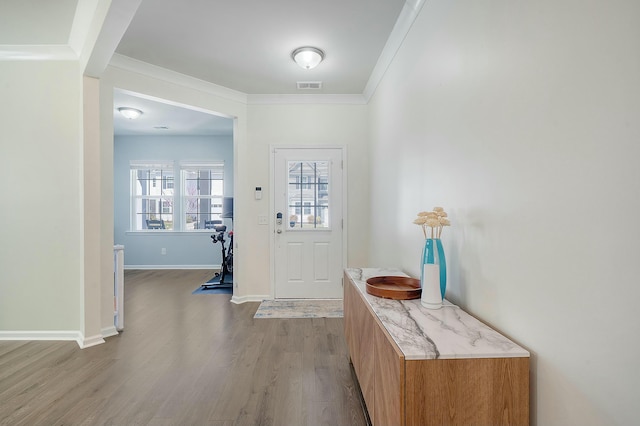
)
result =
(251, 298)
(75, 336)
(66, 335)
(172, 266)
(109, 331)
(87, 342)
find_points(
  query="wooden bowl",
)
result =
(396, 288)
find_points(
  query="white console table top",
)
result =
(421, 333)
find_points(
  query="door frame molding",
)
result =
(272, 228)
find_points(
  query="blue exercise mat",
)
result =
(221, 290)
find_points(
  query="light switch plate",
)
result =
(262, 220)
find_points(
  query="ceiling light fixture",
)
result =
(130, 113)
(307, 57)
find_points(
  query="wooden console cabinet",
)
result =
(414, 369)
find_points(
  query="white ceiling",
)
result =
(246, 45)
(243, 45)
(161, 118)
(33, 22)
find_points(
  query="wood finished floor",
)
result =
(184, 359)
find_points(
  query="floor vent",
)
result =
(313, 85)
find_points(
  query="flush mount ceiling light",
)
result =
(307, 57)
(130, 113)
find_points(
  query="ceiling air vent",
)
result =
(313, 85)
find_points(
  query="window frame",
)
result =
(215, 200)
(137, 200)
(316, 186)
(172, 194)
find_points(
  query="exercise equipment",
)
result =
(224, 278)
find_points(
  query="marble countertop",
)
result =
(422, 333)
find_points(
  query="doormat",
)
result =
(219, 290)
(300, 308)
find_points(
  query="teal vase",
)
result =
(433, 253)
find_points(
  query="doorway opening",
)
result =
(173, 171)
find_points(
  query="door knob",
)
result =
(279, 231)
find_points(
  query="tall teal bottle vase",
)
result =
(443, 267)
(433, 253)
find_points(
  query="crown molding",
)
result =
(111, 18)
(133, 65)
(408, 15)
(37, 52)
(299, 99)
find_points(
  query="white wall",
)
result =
(90, 324)
(304, 124)
(183, 249)
(41, 172)
(521, 119)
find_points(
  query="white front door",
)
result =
(308, 251)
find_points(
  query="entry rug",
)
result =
(300, 308)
